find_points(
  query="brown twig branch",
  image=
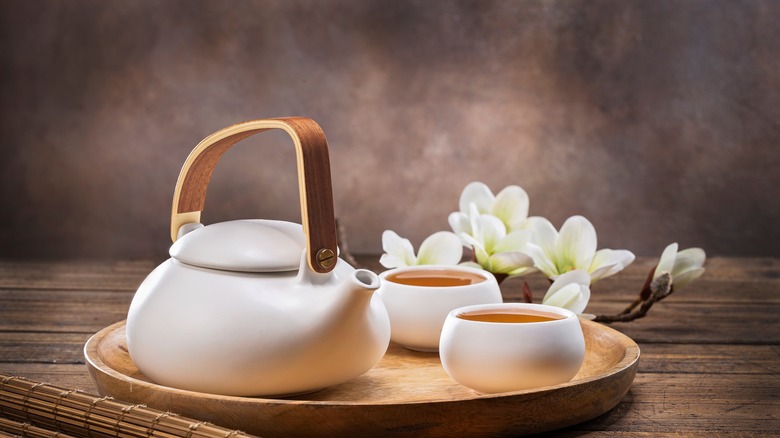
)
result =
(644, 294)
(659, 288)
(527, 295)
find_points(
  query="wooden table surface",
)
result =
(710, 353)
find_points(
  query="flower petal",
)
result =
(687, 260)
(624, 257)
(506, 262)
(609, 262)
(602, 271)
(541, 261)
(697, 254)
(441, 248)
(570, 291)
(479, 251)
(582, 300)
(391, 261)
(489, 230)
(572, 297)
(666, 262)
(578, 276)
(397, 246)
(469, 241)
(474, 214)
(482, 257)
(470, 265)
(514, 241)
(562, 295)
(686, 277)
(543, 232)
(521, 271)
(476, 193)
(459, 222)
(511, 207)
(576, 244)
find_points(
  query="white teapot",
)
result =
(256, 307)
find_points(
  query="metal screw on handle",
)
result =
(326, 258)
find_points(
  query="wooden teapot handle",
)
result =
(314, 183)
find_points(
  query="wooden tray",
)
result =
(406, 394)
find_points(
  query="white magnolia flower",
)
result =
(492, 227)
(441, 248)
(574, 247)
(684, 266)
(570, 291)
(495, 250)
(510, 206)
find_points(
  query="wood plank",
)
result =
(695, 404)
(670, 322)
(79, 274)
(58, 311)
(745, 268)
(37, 347)
(709, 359)
(574, 432)
(73, 376)
(12, 297)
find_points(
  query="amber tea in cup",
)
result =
(436, 277)
(510, 317)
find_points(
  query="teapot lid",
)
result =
(248, 245)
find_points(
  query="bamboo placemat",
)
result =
(48, 410)
(15, 429)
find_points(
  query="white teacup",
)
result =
(489, 356)
(418, 299)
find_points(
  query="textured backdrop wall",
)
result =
(657, 120)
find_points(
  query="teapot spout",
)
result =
(360, 282)
(359, 306)
(363, 317)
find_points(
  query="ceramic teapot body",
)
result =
(254, 307)
(239, 333)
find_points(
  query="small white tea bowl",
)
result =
(492, 357)
(417, 312)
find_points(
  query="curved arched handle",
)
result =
(311, 150)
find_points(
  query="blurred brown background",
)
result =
(657, 120)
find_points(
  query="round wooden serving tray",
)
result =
(406, 394)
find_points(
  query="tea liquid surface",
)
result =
(510, 317)
(435, 278)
